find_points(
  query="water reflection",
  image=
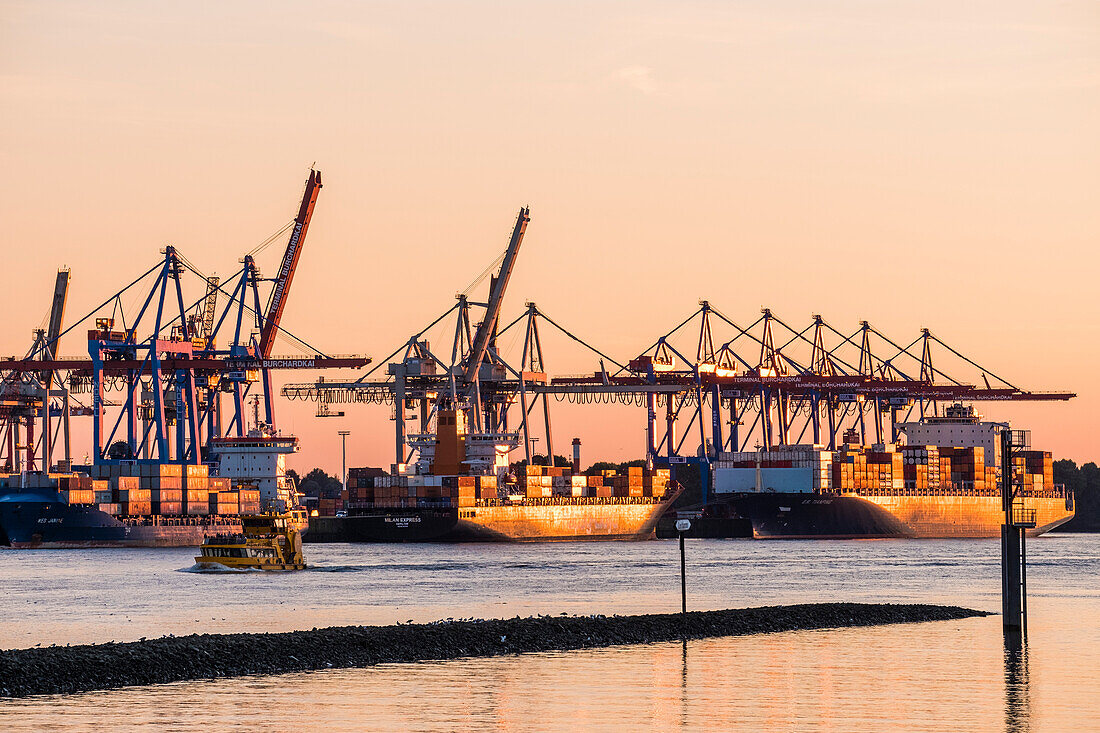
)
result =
(684, 686)
(1017, 689)
(921, 677)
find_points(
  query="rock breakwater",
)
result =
(70, 669)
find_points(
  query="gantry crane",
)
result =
(168, 361)
(28, 396)
(773, 393)
(475, 385)
(769, 384)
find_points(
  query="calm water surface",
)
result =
(937, 676)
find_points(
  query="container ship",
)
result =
(944, 482)
(462, 489)
(148, 504)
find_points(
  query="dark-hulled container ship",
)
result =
(41, 518)
(944, 482)
(143, 503)
(150, 509)
(462, 490)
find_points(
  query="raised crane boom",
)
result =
(57, 314)
(290, 261)
(49, 353)
(485, 331)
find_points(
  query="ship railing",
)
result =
(533, 501)
(956, 488)
(572, 501)
(227, 539)
(183, 520)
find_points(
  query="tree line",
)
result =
(1085, 482)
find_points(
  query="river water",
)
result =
(922, 677)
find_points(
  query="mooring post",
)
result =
(1023, 582)
(683, 578)
(683, 525)
(1013, 588)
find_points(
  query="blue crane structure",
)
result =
(173, 360)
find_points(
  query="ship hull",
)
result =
(704, 528)
(544, 522)
(56, 525)
(828, 516)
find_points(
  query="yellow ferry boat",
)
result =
(268, 542)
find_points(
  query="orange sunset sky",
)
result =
(916, 164)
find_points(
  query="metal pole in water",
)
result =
(683, 525)
(1013, 604)
(1023, 583)
(683, 579)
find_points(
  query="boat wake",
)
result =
(214, 568)
(340, 568)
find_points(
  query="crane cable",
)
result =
(485, 273)
(270, 240)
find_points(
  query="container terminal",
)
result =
(185, 436)
(882, 426)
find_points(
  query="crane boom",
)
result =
(210, 306)
(47, 354)
(290, 261)
(57, 314)
(487, 328)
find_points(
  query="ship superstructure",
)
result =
(259, 460)
(959, 426)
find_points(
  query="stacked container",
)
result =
(249, 500)
(224, 502)
(132, 499)
(76, 489)
(535, 482)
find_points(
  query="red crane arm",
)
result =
(279, 293)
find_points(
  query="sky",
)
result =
(915, 164)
